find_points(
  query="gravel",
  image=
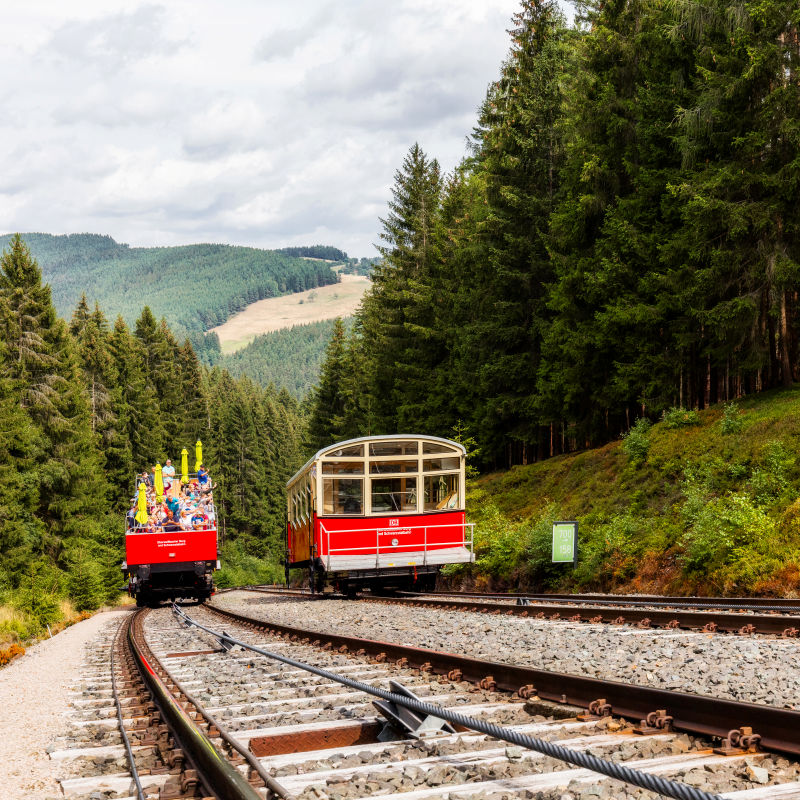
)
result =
(753, 668)
(35, 704)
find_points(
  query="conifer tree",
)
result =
(43, 368)
(327, 419)
(397, 315)
(520, 153)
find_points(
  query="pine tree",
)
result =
(520, 152)
(43, 368)
(327, 418)
(397, 315)
(138, 410)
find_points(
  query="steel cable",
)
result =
(663, 786)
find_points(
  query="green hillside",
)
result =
(702, 503)
(194, 286)
(289, 358)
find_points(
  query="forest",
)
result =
(621, 242)
(86, 403)
(289, 358)
(195, 287)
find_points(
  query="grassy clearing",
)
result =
(277, 313)
(701, 503)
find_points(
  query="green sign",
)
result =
(565, 542)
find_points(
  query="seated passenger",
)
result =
(170, 526)
(174, 506)
(199, 520)
(186, 519)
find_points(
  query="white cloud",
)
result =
(257, 122)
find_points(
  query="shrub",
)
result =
(636, 442)
(239, 568)
(8, 653)
(608, 552)
(723, 530)
(770, 480)
(680, 418)
(39, 593)
(732, 421)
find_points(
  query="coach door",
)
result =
(301, 514)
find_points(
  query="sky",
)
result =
(257, 122)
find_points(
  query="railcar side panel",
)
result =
(336, 536)
(170, 547)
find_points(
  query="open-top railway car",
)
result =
(383, 512)
(171, 548)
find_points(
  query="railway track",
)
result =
(675, 601)
(294, 717)
(741, 619)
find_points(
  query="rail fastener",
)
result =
(699, 715)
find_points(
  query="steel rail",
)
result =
(654, 783)
(769, 604)
(270, 782)
(125, 740)
(701, 715)
(645, 617)
(755, 603)
(220, 778)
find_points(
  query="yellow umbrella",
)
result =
(184, 466)
(159, 484)
(198, 452)
(141, 513)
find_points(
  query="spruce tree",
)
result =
(44, 371)
(327, 420)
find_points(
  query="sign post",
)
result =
(565, 543)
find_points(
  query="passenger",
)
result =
(199, 520)
(146, 480)
(186, 519)
(168, 472)
(170, 526)
(202, 476)
(174, 506)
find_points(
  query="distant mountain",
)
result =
(195, 286)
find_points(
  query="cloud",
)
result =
(112, 42)
(258, 122)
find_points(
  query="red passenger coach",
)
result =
(382, 511)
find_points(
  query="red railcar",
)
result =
(380, 511)
(162, 564)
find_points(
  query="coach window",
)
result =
(303, 506)
(342, 496)
(342, 467)
(391, 495)
(435, 447)
(351, 451)
(310, 501)
(393, 467)
(441, 492)
(435, 464)
(394, 448)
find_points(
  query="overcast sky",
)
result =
(258, 122)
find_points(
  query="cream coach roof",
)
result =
(394, 436)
